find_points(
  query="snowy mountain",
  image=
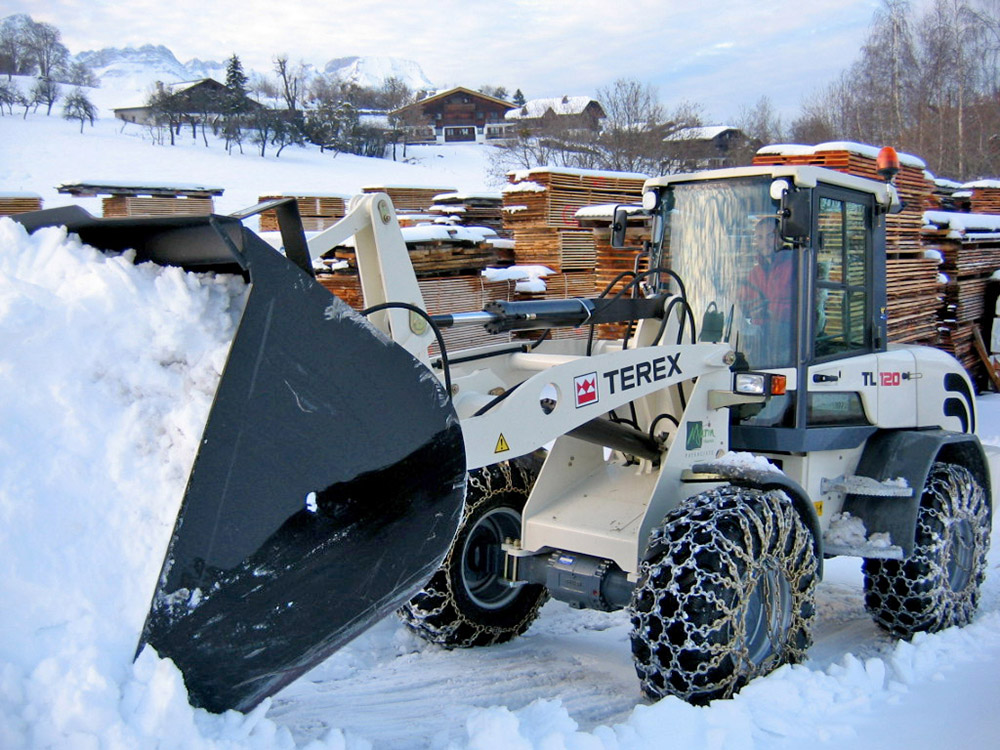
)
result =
(136, 69)
(371, 72)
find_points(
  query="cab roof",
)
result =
(800, 176)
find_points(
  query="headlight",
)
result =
(750, 383)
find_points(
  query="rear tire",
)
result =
(726, 593)
(466, 603)
(938, 585)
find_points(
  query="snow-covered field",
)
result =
(106, 373)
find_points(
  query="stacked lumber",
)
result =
(902, 233)
(903, 230)
(984, 196)
(440, 249)
(969, 248)
(615, 266)
(120, 206)
(472, 209)
(19, 203)
(409, 197)
(540, 207)
(442, 294)
(454, 294)
(942, 196)
(318, 212)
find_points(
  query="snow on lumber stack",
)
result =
(19, 203)
(540, 207)
(909, 302)
(472, 209)
(129, 198)
(318, 212)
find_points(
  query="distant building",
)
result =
(566, 112)
(190, 100)
(458, 115)
(706, 147)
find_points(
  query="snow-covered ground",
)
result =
(106, 373)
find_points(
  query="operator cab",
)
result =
(779, 263)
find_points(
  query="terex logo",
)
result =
(586, 389)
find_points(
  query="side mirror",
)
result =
(618, 226)
(795, 215)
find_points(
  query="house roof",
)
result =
(560, 105)
(704, 133)
(449, 92)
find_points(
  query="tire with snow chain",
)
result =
(937, 586)
(726, 592)
(466, 603)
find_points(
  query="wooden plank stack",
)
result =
(540, 208)
(120, 206)
(19, 203)
(969, 246)
(904, 246)
(442, 294)
(612, 262)
(438, 250)
(409, 197)
(984, 196)
(318, 212)
(472, 209)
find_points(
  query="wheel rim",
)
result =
(768, 614)
(482, 558)
(960, 554)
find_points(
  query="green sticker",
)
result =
(694, 436)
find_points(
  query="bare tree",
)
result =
(291, 81)
(47, 92)
(46, 50)
(633, 129)
(15, 55)
(79, 107)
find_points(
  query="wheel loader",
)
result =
(752, 421)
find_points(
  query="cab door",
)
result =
(848, 317)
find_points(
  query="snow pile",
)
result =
(530, 279)
(106, 376)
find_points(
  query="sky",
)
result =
(724, 54)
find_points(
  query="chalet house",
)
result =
(708, 147)
(453, 116)
(567, 112)
(191, 100)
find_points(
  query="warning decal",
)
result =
(501, 444)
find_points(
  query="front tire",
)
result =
(726, 593)
(466, 603)
(937, 586)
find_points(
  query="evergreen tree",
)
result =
(519, 99)
(236, 83)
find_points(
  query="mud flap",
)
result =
(327, 488)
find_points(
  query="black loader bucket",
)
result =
(328, 484)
